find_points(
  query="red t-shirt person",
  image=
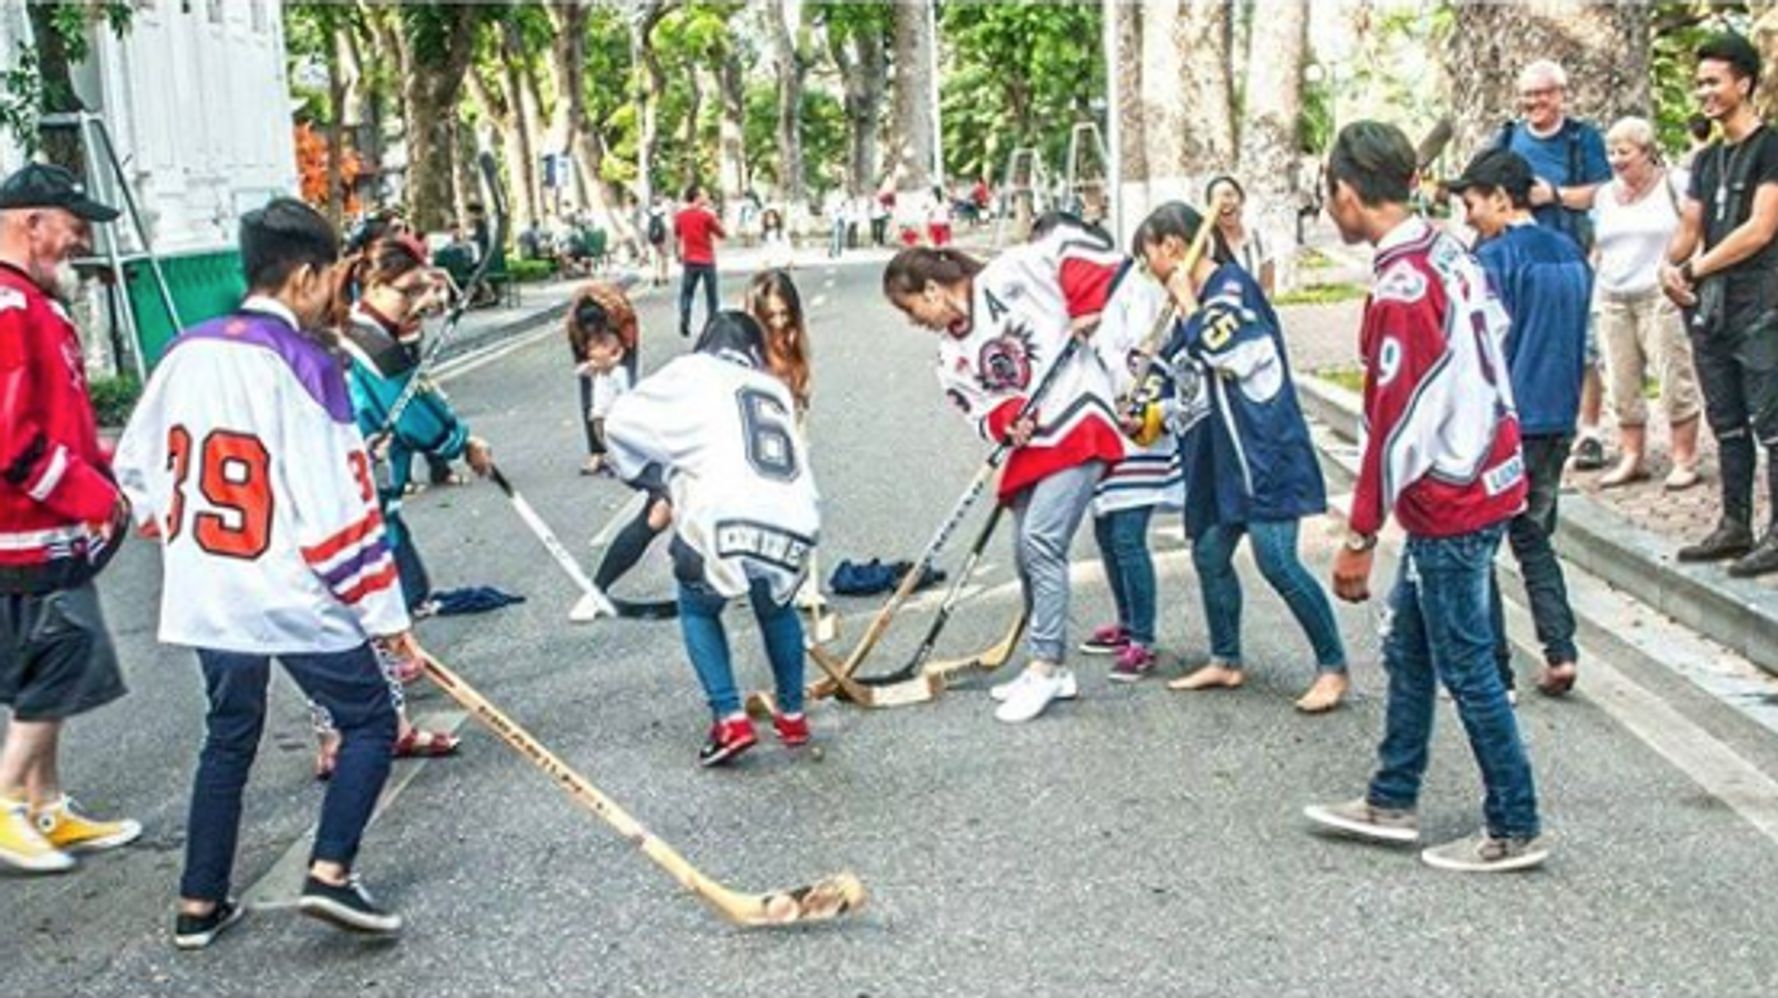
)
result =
(697, 228)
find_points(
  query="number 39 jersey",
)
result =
(244, 457)
(744, 498)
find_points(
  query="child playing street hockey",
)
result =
(1001, 327)
(720, 431)
(1250, 468)
(244, 457)
(602, 338)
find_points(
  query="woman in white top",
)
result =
(1633, 218)
(1226, 195)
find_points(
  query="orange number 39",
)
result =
(234, 479)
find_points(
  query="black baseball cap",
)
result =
(42, 185)
(1496, 169)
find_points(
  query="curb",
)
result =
(1739, 615)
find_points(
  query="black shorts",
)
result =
(56, 658)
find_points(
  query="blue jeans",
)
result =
(1274, 549)
(700, 621)
(351, 687)
(1123, 547)
(1440, 631)
(688, 282)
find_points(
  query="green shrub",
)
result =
(114, 397)
(1349, 378)
(529, 271)
(1320, 294)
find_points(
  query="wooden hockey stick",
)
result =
(825, 899)
(988, 659)
(960, 509)
(916, 689)
(967, 569)
(592, 604)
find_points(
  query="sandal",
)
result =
(417, 744)
(1622, 475)
(1682, 477)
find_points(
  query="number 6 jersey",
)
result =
(244, 456)
(744, 499)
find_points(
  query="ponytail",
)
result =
(913, 268)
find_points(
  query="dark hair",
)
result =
(786, 356)
(1046, 223)
(1223, 178)
(597, 310)
(281, 238)
(387, 259)
(1698, 127)
(475, 208)
(1374, 159)
(911, 268)
(1176, 218)
(733, 331)
(1735, 50)
(692, 190)
(771, 221)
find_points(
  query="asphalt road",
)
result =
(1135, 842)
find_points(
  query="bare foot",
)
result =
(1213, 676)
(1557, 679)
(1327, 692)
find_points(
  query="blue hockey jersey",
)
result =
(1231, 402)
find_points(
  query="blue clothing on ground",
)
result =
(1573, 157)
(1547, 288)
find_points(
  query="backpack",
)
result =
(657, 228)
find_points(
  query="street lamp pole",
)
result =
(938, 132)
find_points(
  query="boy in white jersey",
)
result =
(721, 431)
(244, 458)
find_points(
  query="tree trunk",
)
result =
(521, 151)
(1189, 128)
(789, 66)
(1270, 144)
(60, 146)
(731, 149)
(1603, 46)
(576, 134)
(695, 77)
(861, 59)
(1132, 141)
(910, 155)
(502, 119)
(431, 85)
(336, 135)
(1764, 34)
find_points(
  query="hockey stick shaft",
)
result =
(959, 510)
(952, 595)
(547, 537)
(825, 899)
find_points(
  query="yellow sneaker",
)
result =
(69, 830)
(23, 847)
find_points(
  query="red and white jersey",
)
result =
(244, 456)
(1022, 310)
(724, 435)
(1440, 437)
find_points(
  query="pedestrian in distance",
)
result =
(658, 234)
(603, 336)
(1225, 391)
(1546, 288)
(61, 518)
(1228, 199)
(244, 457)
(1634, 218)
(721, 429)
(695, 231)
(1001, 327)
(1722, 271)
(1441, 456)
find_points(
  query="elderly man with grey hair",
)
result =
(1568, 162)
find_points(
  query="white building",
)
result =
(196, 101)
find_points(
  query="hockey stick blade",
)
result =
(919, 689)
(987, 660)
(823, 900)
(593, 604)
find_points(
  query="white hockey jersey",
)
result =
(724, 435)
(1022, 310)
(244, 456)
(1147, 476)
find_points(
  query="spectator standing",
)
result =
(1634, 218)
(938, 219)
(1442, 456)
(1567, 157)
(1547, 289)
(61, 517)
(1226, 197)
(696, 228)
(1723, 270)
(656, 228)
(879, 218)
(779, 254)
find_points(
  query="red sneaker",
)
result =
(793, 729)
(729, 737)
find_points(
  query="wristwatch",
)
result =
(1358, 543)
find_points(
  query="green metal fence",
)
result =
(204, 285)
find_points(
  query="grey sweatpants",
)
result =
(1045, 517)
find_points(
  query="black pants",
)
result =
(1529, 535)
(1737, 363)
(688, 282)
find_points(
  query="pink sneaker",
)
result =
(1107, 640)
(1133, 662)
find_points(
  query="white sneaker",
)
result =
(1070, 689)
(1030, 694)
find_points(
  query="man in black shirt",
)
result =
(1723, 270)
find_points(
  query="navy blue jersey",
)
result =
(1547, 289)
(1243, 443)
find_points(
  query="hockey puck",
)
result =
(817, 753)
